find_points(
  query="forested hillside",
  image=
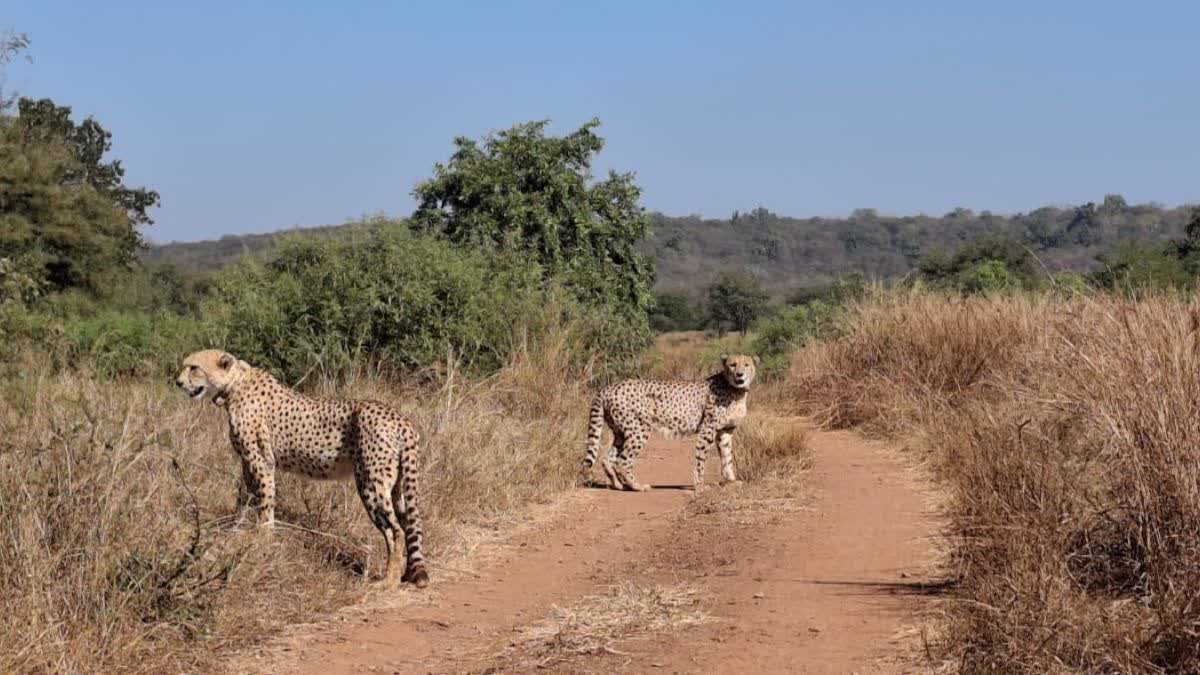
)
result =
(784, 252)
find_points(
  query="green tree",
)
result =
(736, 299)
(522, 189)
(844, 289)
(674, 311)
(1187, 249)
(1114, 205)
(63, 208)
(1084, 227)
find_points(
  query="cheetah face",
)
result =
(739, 369)
(209, 372)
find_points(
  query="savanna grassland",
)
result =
(1063, 432)
(1042, 367)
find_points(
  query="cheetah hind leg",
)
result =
(377, 500)
(633, 445)
(609, 461)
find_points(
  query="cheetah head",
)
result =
(210, 372)
(739, 369)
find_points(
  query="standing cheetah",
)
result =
(272, 426)
(711, 409)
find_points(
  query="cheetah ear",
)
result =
(754, 358)
(724, 359)
(226, 361)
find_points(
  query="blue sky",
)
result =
(256, 116)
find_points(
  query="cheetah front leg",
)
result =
(635, 440)
(725, 445)
(246, 490)
(260, 464)
(706, 437)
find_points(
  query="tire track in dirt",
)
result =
(819, 590)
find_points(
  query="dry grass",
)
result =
(595, 624)
(116, 498)
(1067, 433)
(689, 355)
(116, 541)
(769, 447)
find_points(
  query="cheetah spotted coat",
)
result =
(711, 409)
(273, 427)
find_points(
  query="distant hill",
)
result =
(786, 252)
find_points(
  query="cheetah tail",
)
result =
(410, 521)
(594, 433)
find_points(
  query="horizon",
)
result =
(250, 120)
(845, 216)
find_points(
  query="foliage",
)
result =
(844, 289)
(521, 190)
(784, 253)
(674, 311)
(61, 204)
(735, 300)
(985, 265)
(388, 297)
(1136, 266)
(791, 329)
(117, 343)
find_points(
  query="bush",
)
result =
(987, 277)
(1141, 266)
(389, 299)
(791, 329)
(983, 266)
(394, 301)
(130, 344)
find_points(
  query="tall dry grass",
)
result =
(1068, 436)
(115, 499)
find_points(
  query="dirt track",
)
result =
(816, 577)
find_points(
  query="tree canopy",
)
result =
(735, 300)
(65, 213)
(521, 189)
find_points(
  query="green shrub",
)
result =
(134, 344)
(791, 329)
(391, 300)
(987, 277)
(1136, 265)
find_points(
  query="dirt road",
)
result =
(814, 577)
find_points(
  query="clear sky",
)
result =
(256, 116)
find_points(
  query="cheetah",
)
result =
(711, 409)
(272, 426)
